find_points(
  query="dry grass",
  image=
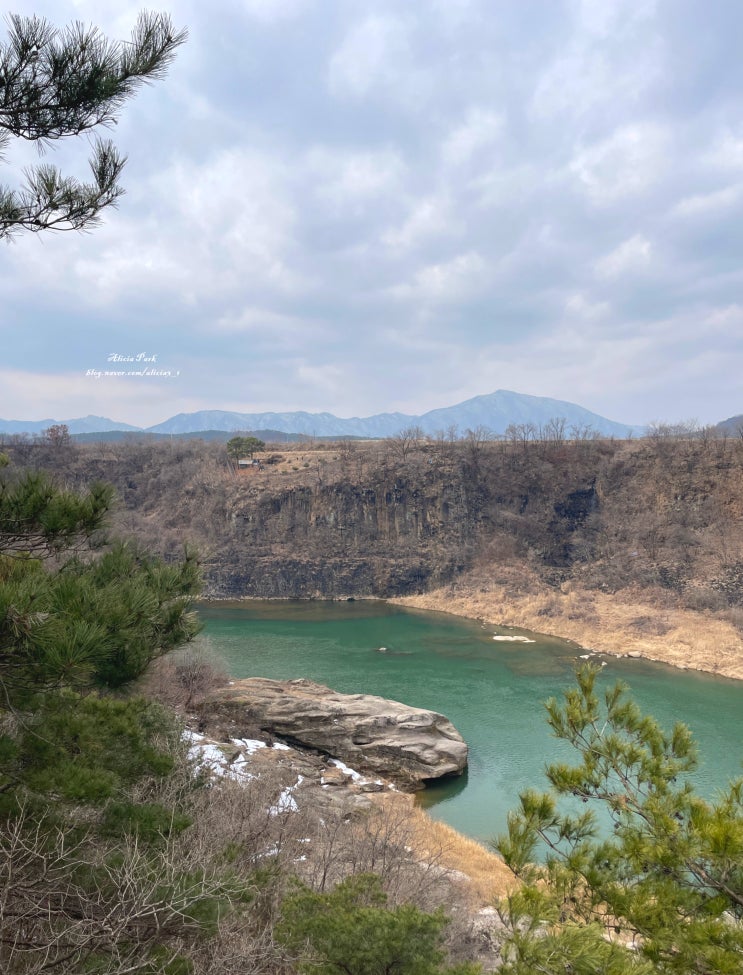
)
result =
(304, 463)
(489, 878)
(603, 622)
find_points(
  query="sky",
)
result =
(360, 206)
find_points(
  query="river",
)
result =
(492, 689)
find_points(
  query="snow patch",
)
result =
(355, 776)
(251, 745)
(286, 801)
(212, 758)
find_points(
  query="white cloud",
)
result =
(606, 64)
(430, 218)
(727, 152)
(579, 306)
(605, 18)
(480, 130)
(348, 178)
(587, 79)
(328, 376)
(727, 320)
(631, 255)
(375, 58)
(461, 277)
(272, 11)
(709, 203)
(512, 185)
(626, 164)
(202, 231)
(217, 227)
(283, 329)
(368, 56)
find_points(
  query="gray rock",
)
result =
(372, 734)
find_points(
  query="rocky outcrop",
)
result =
(240, 575)
(372, 734)
(294, 779)
(393, 534)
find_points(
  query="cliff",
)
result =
(589, 518)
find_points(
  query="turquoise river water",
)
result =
(492, 690)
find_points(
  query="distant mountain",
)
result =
(494, 411)
(733, 425)
(220, 436)
(85, 424)
(309, 424)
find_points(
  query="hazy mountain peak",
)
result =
(492, 411)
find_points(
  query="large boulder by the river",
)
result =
(372, 734)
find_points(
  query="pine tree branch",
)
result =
(56, 83)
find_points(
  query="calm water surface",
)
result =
(492, 691)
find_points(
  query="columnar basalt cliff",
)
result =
(400, 535)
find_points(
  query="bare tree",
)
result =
(185, 676)
(475, 441)
(583, 431)
(69, 904)
(404, 441)
(445, 442)
(553, 432)
(381, 841)
(681, 430)
(521, 433)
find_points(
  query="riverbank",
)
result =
(623, 624)
(485, 873)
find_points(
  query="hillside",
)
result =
(603, 541)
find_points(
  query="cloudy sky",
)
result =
(370, 205)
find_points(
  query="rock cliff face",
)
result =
(392, 536)
(287, 577)
(659, 515)
(405, 744)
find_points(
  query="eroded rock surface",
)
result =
(372, 734)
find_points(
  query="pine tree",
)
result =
(71, 616)
(56, 83)
(352, 931)
(239, 447)
(87, 809)
(663, 892)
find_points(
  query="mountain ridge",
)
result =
(82, 424)
(493, 411)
